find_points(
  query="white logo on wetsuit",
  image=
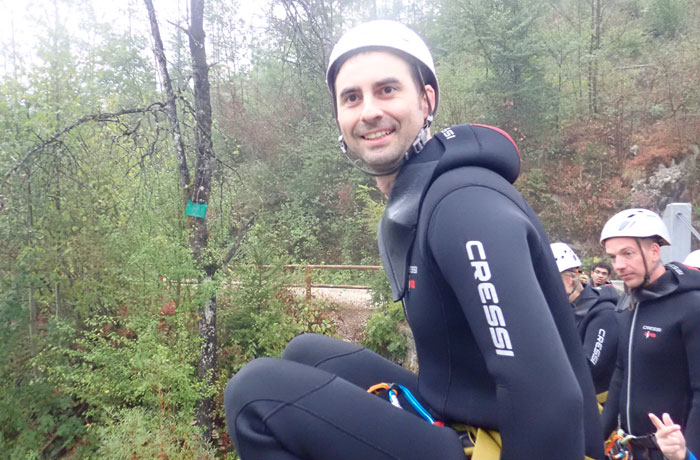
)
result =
(598, 346)
(489, 299)
(448, 133)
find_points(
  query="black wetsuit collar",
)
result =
(451, 148)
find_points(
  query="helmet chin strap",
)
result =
(415, 148)
(647, 271)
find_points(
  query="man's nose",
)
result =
(371, 109)
(618, 264)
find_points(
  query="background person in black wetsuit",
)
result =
(600, 274)
(496, 344)
(658, 364)
(595, 317)
(600, 278)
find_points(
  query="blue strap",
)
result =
(416, 405)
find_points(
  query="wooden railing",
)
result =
(308, 269)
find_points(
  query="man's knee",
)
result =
(314, 349)
(245, 384)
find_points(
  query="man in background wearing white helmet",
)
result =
(595, 317)
(658, 364)
(495, 339)
(693, 259)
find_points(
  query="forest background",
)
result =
(122, 318)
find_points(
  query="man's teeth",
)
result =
(377, 135)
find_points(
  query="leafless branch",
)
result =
(113, 117)
(241, 235)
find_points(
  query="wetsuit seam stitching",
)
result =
(284, 404)
(339, 355)
(293, 402)
(443, 405)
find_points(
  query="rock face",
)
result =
(667, 184)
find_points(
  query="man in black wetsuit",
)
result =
(600, 274)
(595, 317)
(658, 364)
(496, 342)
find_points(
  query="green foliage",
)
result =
(259, 315)
(502, 41)
(125, 362)
(32, 412)
(534, 189)
(382, 333)
(667, 18)
(140, 434)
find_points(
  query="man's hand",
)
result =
(669, 437)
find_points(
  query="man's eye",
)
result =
(351, 98)
(388, 89)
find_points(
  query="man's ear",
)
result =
(428, 96)
(655, 251)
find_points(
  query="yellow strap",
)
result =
(487, 444)
(602, 397)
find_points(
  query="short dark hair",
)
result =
(603, 264)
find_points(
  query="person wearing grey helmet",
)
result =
(495, 339)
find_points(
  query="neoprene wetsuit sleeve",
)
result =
(612, 405)
(482, 244)
(690, 329)
(600, 346)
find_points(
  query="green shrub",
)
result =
(139, 434)
(382, 333)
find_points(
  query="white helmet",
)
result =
(636, 223)
(383, 34)
(565, 256)
(693, 259)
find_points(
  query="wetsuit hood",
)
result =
(451, 148)
(678, 278)
(592, 298)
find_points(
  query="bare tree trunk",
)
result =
(33, 313)
(206, 366)
(594, 48)
(201, 189)
(171, 107)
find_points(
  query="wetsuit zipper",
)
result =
(629, 369)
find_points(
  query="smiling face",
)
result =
(380, 108)
(626, 258)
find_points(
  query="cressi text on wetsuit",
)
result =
(597, 324)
